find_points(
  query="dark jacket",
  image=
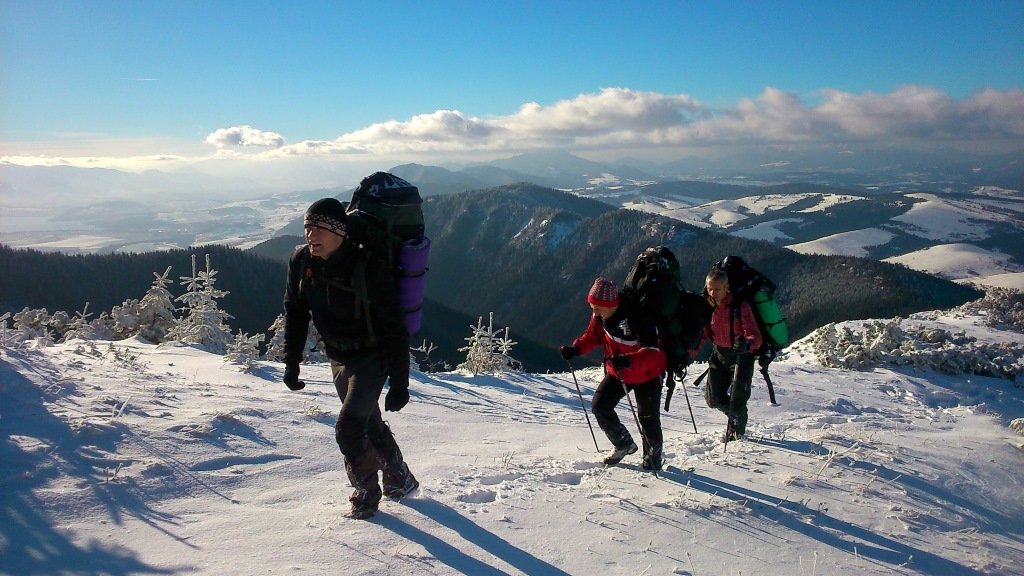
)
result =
(328, 291)
(625, 332)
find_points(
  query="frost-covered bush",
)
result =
(244, 350)
(156, 310)
(488, 351)
(861, 345)
(1018, 426)
(1001, 308)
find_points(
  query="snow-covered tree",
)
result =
(80, 326)
(204, 323)
(244, 350)
(427, 364)
(32, 325)
(126, 319)
(313, 351)
(275, 347)
(3, 329)
(488, 351)
(156, 310)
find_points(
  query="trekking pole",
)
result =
(696, 383)
(582, 405)
(682, 380)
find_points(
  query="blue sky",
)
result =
(192, 80)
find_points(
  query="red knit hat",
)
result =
(604, 293)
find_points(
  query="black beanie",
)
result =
(326, 213)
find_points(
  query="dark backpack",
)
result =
(747, 284)
(385, 220)
(385, 217)
(680, 315)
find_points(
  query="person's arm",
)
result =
(748, 326)
(296, 321)
(591, 337)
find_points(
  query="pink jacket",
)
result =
(725, 325)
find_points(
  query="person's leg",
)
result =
(716, 391)
(359, 384)
(648, 407)
(745, 376)
(398, 480)
(606, 397)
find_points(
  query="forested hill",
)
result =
(529, 254)
(55, 281)
(255, 285)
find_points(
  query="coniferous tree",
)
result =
(244, 350)
(204, 323)
(156, 309)
(81, 327)
(275, 347)
(488, 351)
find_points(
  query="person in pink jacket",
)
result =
(734, 332)
(632, 359)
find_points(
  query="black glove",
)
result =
(620, 361)
(398, 396)
(741, 346)
(569, 352)
(291, 377)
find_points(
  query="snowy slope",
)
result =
(127, 458)
(960, 262)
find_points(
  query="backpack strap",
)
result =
(362, 295)
(361, 300)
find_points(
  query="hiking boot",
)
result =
(364, 504)
(731, 436)
(405, 486)
(620, 453)
(652, 460)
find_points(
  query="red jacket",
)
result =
(625, 334)
(726, 326)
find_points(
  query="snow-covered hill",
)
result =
(964, 237)
(126, 458)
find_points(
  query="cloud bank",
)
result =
(620, 117)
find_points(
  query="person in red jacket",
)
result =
(631, 358)
(734, 332)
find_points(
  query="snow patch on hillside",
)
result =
(957, 262)
(767, 231)
(853, 243)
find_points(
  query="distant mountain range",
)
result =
(529, 254)
(945, 212)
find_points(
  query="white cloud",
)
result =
(617, 117)
(244, 136)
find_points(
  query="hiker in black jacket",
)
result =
(351, 297)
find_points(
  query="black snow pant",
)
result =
(648, 402)
(721, 367)
(365, 439)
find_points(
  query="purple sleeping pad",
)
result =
(412, 280)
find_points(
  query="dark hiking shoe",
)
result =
(364, 504)
(409, 485)
(620, 453)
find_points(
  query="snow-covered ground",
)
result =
(129, 458)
